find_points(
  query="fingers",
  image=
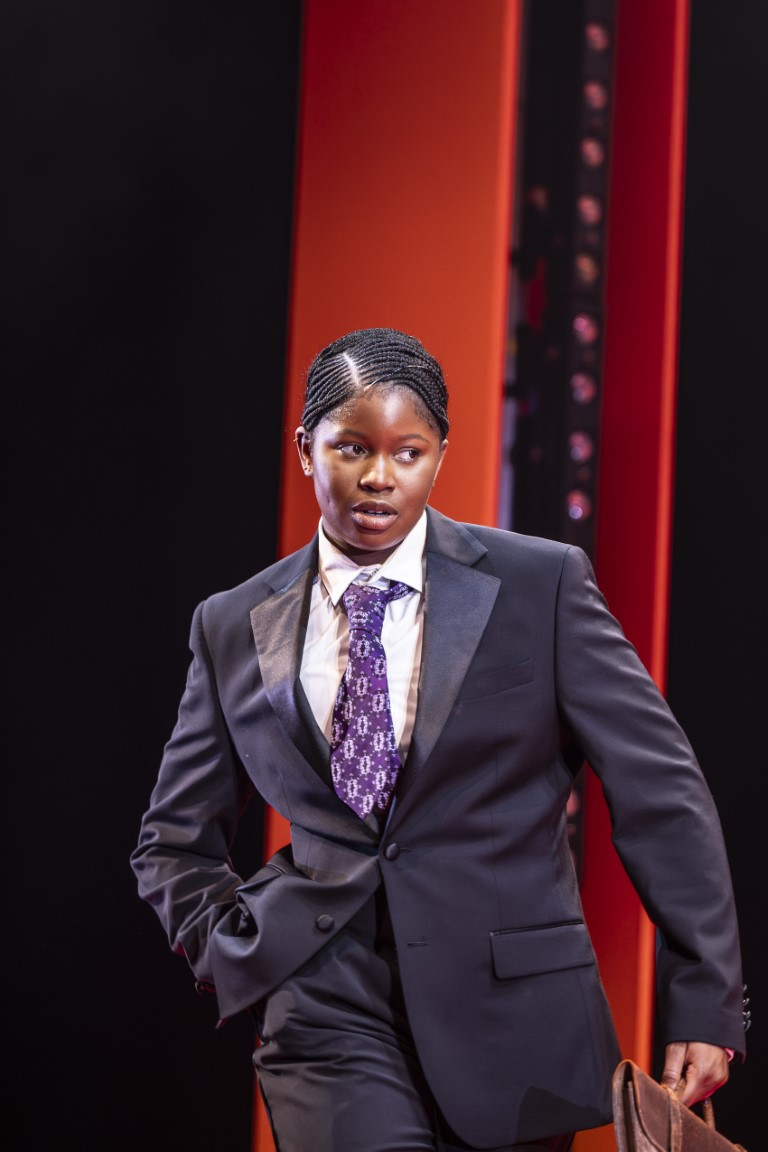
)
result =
(674, 1063)
(694, 1070)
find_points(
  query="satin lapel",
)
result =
(458, 603)
(279, 625)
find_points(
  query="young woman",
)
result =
(414, 696)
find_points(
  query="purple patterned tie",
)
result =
(364, 757)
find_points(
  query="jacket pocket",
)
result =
(498, 680)
(544, 948)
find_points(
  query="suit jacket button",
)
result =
(392, 851)
(324, 923)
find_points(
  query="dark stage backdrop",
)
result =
(151, 178)
(719, 618)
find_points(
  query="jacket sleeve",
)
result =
(665, 826)
(182, 860)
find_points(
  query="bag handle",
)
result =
(675, 1120)
(708, 1112)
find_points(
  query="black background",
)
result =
(719, 608)
(149, 182)
(150, 222)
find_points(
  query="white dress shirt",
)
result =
(326, 645)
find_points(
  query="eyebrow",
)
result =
(362, 435)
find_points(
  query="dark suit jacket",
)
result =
(524, 673)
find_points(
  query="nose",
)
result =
(377, 474)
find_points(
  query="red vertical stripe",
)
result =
(405, 170)
(637, 455)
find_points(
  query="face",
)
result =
(374, 461)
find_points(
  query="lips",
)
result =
(373, 515)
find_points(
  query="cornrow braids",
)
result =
(372, 356)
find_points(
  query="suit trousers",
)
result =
(336, 1062)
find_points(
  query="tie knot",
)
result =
(366, 606)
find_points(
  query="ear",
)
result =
(441, 457)
(303, 442)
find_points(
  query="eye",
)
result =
(407, 455)
(353, 450)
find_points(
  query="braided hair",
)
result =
(368, 357)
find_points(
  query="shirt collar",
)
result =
(406, 563)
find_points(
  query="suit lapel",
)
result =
(279, 625)
(458, 603)
(459, 598)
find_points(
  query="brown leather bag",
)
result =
(648, 1117)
